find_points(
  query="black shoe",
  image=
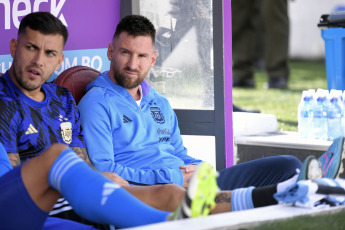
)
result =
(243, 83)
(238, 109)
(276, 83)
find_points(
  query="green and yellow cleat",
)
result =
(200, 195)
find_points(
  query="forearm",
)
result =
(82, 153)
(140, 176)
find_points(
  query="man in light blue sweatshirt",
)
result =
(131, 129)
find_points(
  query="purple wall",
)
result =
(228, 84)
(91, 24)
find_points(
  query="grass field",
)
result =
(332, 221)
(283, 103)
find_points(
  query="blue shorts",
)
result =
(54, 223)
(18, 211)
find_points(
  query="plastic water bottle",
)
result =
(339, 94)
(305, 114)
(320, 115)
(342, 103)
(334, 117)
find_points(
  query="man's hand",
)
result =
(188, 168)
(115, 178)
(81, 152)
(187, 171)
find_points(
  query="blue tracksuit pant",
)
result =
(259, 172)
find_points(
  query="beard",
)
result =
(18, 75)
(127, 82)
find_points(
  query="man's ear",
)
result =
(110, 51)
(13, 46)
(154, 58)
(62, 56)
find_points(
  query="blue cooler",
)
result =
(333, 33)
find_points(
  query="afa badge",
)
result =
(157, 115)
(66, 132)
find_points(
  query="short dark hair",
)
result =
(136, 25)
(44, 22)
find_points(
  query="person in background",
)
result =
(266, 21)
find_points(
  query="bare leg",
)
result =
(223, 202)
(35, 177)
(164, 197)
(169, 196)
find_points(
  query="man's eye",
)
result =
(52, 54)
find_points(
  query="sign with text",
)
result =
(91, 26)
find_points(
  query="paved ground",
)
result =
(240, 220)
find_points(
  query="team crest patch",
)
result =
(157, 115)
(66, 132)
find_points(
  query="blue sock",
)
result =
(241, 199)
(96, 198)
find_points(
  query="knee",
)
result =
(294, 161)
(291, 162)
(54, 151)
(58, 147)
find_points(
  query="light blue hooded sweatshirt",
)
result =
(142, 144)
